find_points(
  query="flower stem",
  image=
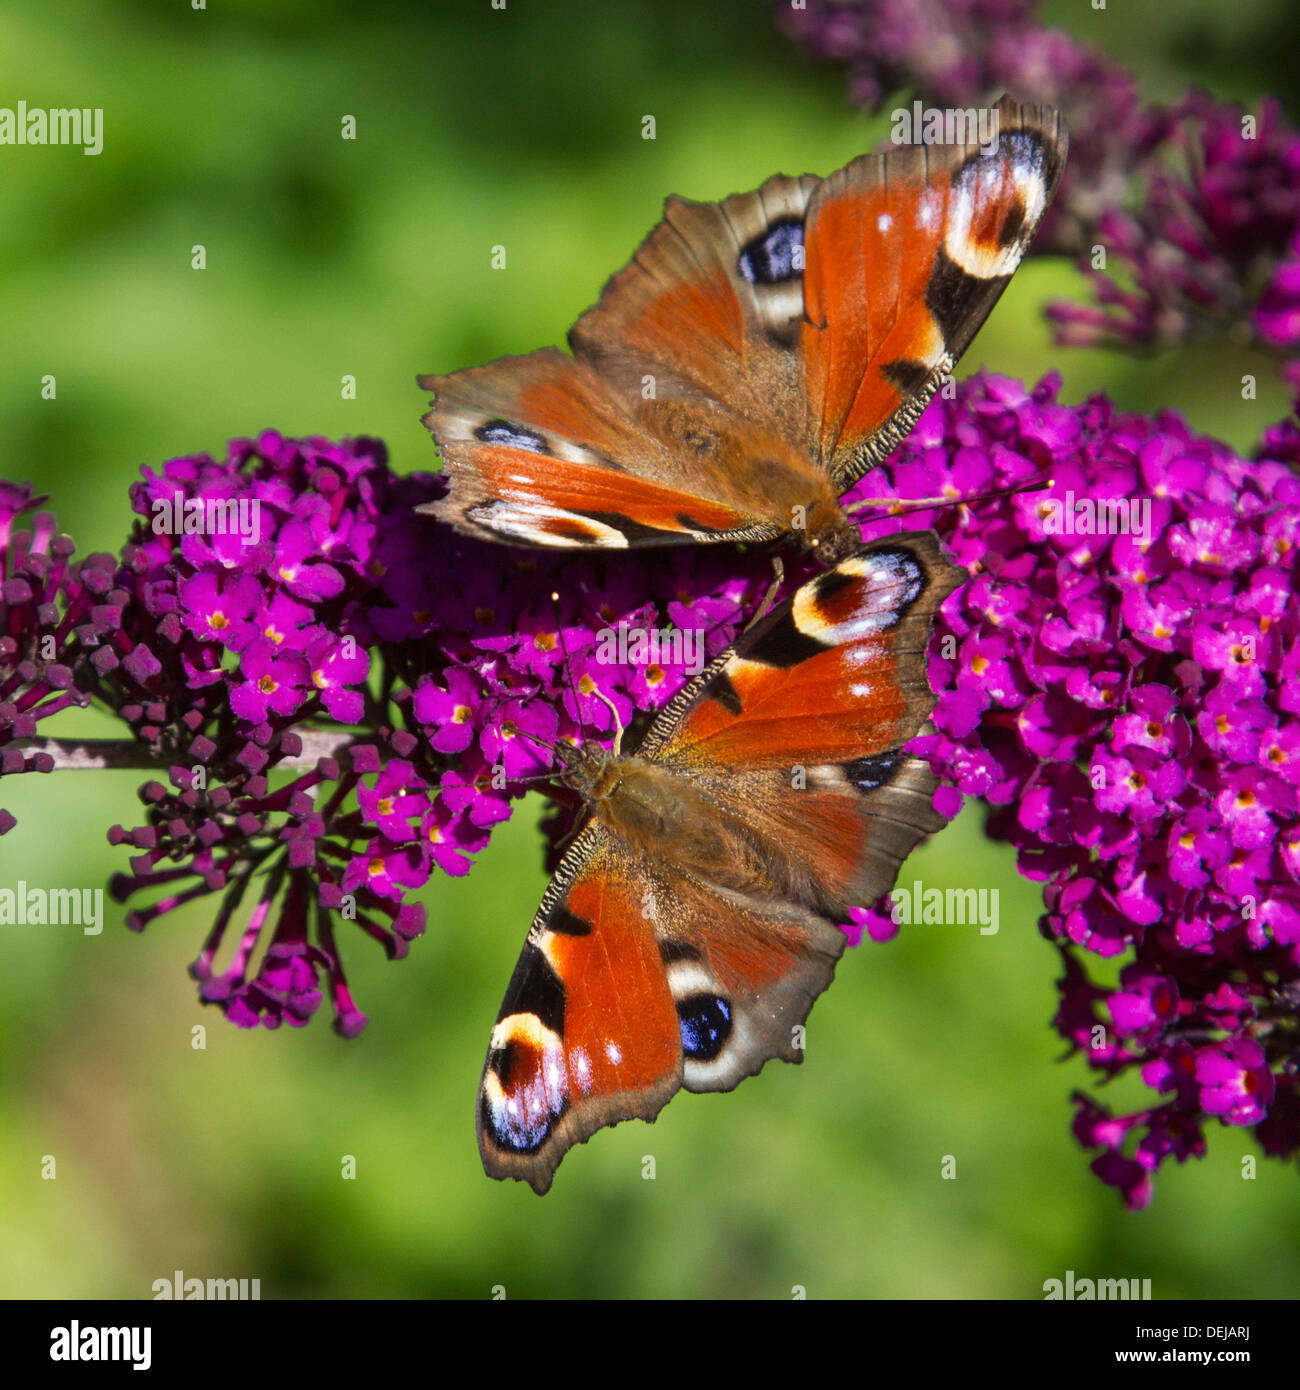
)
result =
(87, 754)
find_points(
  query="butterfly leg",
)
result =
(900, 506)
(769, 598)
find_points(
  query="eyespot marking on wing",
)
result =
(539, 523)
(715, 1033)
(834, 611)
(869, 773)
(706, 1025)
(517, 436)
(996, 199)
(774, 257)
(525, 1085)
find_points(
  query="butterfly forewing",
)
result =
(544, 451)
(906, 254)
(588, 1034)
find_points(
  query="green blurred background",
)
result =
(370, 257)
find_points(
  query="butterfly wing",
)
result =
(756, 355)
(792, 739)
(685, 378)
(636, 981)
(906, 254)
(545, 451)
(794, 736)
(689, 958)
(588, 1034)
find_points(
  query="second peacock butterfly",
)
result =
(755, 358)
(693, 920)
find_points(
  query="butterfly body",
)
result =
(694, 919)
(654, 812)
(755, 358)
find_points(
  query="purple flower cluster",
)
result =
(347, 696)
(1120, 682)
(1196, 206)
(966, 52)
(1205, 239)
(238, 630)
(48, 627)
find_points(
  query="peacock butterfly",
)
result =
(755, 358)
(692, 921)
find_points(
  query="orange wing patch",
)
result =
(588, 1034)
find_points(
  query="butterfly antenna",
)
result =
(564, 657)
(618, 723)
(925, 504)
(537, 777)
(534, 738)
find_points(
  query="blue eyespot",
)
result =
(706, 1026)
(774, 257)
